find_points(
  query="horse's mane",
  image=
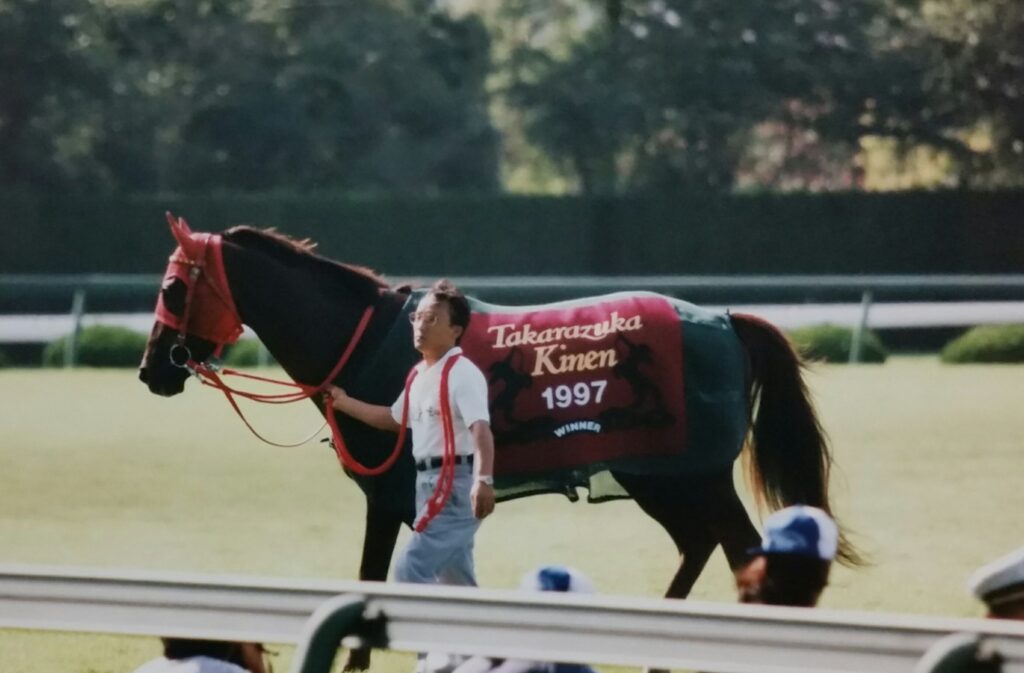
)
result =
(282, 247)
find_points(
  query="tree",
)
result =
(240, 94)
(981, 45)
(48, 80)
(668, 94)
(393, 97)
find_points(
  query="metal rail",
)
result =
(549, 627)
(846, 282)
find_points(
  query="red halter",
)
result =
(196, 252)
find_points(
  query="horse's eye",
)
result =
(173, 293)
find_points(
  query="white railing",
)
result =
(861, 316)
(719, 638)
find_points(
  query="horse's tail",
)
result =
(789, 457)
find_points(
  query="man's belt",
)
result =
(435, 463)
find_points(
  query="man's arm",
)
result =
(375, 415)
(482, 495)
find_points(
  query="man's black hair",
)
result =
(184, 648)
(458, 307)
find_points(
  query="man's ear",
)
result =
(461, 331)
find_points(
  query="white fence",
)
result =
(719, 638)
(865, 314)
(45, 328)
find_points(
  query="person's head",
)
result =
(440, 319)
(1000, 586)
(246, 655)
(556, 578)
(792, 564)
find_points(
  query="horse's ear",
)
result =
(183, 235)
(180, 233)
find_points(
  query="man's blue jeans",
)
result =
(443, 553)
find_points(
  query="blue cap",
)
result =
(800, 530)
(556, 578)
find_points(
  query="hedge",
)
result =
(831, 343)
(245, 353)
(100, 346)
(990, 343)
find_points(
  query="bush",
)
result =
(831, 343)
(245, 353)
(4, 361)
(100, 346)
(991, 343)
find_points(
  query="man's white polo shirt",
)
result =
(467, 394)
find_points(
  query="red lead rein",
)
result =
(447, 477)
(209, 377)
(351, 463)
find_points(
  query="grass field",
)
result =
(95, 471)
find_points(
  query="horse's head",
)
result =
(195, 313)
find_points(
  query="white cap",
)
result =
(1001, 580)
(801, 530)
(556, 578)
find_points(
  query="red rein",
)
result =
(211, 378)
(195, 253)
(446, 480)
(447, 477)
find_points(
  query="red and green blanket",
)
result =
(576, 384)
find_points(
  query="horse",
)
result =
(743, 391)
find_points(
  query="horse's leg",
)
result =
(695, 542)
(378, 545)
(682, 520)
(696, 546)
(379, 540)
(729, 521)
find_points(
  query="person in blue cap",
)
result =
(791, 566)
(1000, 586)
(545, 578)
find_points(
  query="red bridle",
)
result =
(198, 252)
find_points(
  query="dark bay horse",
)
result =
(743, 389)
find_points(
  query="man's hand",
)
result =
(482, 497)
(374, 415)
(336, 396)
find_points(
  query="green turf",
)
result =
(95, 471)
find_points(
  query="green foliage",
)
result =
(980, 46)
(4, 360)
(51, 80)
(240, 94)
(660, 95)
(831, 343)
(245, 353)
(100, 346)
(393, 95)
(990, 343)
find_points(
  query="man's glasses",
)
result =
(428, 318)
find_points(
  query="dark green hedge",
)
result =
(992, 343)
(455, 235)
(831, 343)
(245, 353)
(100, 346)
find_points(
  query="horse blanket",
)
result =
(664, 411)
(572, 385)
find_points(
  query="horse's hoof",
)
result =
(357, 660)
